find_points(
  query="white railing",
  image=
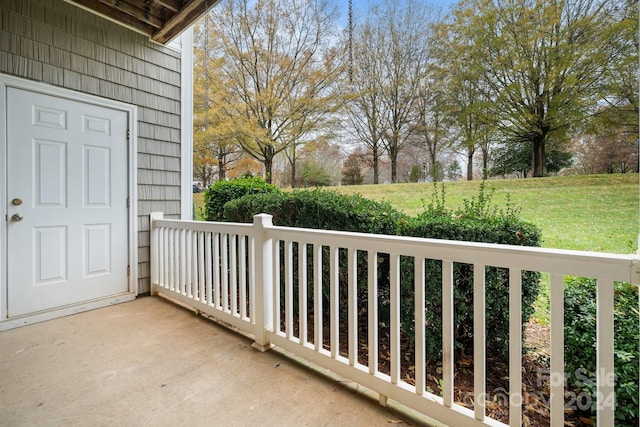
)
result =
(228, 271)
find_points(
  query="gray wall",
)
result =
(53, 42)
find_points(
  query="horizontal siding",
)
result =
(57, 43)
(170, 208)
(144, 283)
(158, 177)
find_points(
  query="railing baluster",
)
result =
(217, 272)
(162, 261)
(168, 276)
(479, 341)
(334, 299)
(175, 260)
(302, 292)
(209, 265)
(447, 333)
(195, 284)
(186, 262)
(233, 269)
(394, 272)
(252, 278)
(317, 297)
(515, 347)
(224, 252)
(276, 285)
(605, 380)
(183, 262)
(353, 306)
(243, 277)
(189, 259)
(201, 267)
(557, 350)
(288, 289)
(372, 321)
(419, 325)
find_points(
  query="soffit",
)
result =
(160, 20)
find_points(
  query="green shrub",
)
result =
(317, 209)
(221, 192)
(322, 210)
(477, 221)
(580, 344)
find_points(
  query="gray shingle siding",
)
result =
(57, 43)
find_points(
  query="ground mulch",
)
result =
(536, 390)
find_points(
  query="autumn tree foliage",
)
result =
(539, 61)
(613, 151)
(215, 146)
(510, 85)
(352, 170)
(391, 54)
(276, 67)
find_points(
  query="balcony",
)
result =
(249, 275)
(149, 362)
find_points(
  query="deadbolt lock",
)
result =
(16, 202)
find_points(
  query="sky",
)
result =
(361, 6)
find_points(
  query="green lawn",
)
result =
(592, 213)
(198, 206)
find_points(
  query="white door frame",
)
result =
(131, 110)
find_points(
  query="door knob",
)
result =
(17, 217)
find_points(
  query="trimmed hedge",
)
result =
(477, 221)
(221, 192)
(317, 209)
(505, 230)
(580, 346)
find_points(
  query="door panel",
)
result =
(50, 250)
(50, 167)
(68, 243)
(97, 249)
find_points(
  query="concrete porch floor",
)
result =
(152, 363)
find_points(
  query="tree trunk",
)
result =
(293, 168)
(470, 164)
(538, 156)
(376, 167)
(222, 167)
(393, 154)
(268, 163)
(394, 169)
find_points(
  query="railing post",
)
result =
(155, 262)
(263, 281)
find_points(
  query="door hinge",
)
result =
(128, 134)
(128, 203)
(128, 270)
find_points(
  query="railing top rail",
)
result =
(618, 267)
(215, 227)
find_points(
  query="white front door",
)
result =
(67, 229)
